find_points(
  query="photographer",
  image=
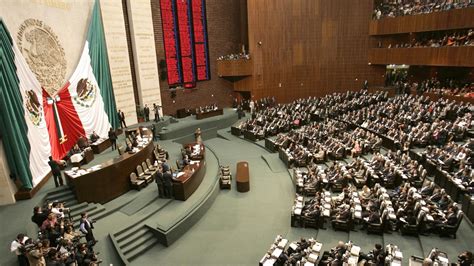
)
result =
(66, 252)
(35, 255)
(85, 257)
(465, 258)
(18, 246)
(71, 235)
(59, 209)
(38, 216)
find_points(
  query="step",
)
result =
(59, 194)
(57, 190)
(87, 208)
(145, 213)
(121, 236)
(74, 202)
(92, 214)
(139, 241)
(62, 198)
(76, 207)
(125, 241)
(96, 212)
(142, 248)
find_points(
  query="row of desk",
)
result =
(208, 114)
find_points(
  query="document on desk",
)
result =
(179, 174)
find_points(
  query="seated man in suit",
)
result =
(129, 147)
(336, 252)
(186, 160)
(75, 150)
(377, 255)
(451, 218)
(372, 218)
(343, 215)
(428, 189)
(94, 137)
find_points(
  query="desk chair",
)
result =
(137, 183)
(141, 175)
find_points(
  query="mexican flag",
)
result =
(35, 125)
(23, 126)
(86, 102)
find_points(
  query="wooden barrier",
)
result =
(428, 56)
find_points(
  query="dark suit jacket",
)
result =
(168, 179)
(54, 167)
(159, 178)
(112, 135)
(374, 218)
(452, 219)
(39, 218)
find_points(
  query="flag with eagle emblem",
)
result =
(86, 102)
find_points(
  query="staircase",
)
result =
(66, 194)
(134, 241)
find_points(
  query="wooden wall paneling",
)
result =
(309, 47)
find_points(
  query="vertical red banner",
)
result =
(200, 39)
(171, 43)
(186, 41)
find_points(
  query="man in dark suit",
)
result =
(146, 111)
(56, 171)
(159, 182)
(156, 109)
(86, 227)
(38, 216)
(121, 117)
(113, 138)
(167, 181)
(94, 136)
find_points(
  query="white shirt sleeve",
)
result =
(83, 228)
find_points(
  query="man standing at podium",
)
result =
(167, 181)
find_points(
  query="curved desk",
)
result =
(208, 114)
(190, 177)
(111, 180)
